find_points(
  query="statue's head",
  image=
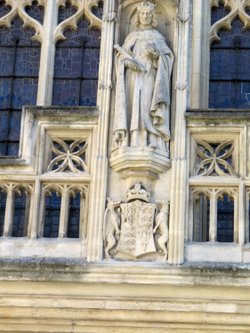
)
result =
(146, 15)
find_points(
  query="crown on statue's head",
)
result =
(138, 192)
(146, 5)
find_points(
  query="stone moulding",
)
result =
(149, 162)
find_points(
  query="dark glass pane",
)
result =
(229, 69)
(52, 216)
(19, 68)
(66, 12)
(201, 219)
(98, 11)
(225, 220)
(76, 64)
(3, 198)
(218, 13)
(67, 92)
(74, 216)
(3, 8)
(35, 11)
(21, 211)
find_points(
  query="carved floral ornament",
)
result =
(84, 8)
(214, 158)
(68, 155)
(237, 8)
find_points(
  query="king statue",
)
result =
(143, 66)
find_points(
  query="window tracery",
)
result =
(77, 57)
(19, 69)
(229, 55)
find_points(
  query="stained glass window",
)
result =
(19, 69)
(230, 65)
(76, 63)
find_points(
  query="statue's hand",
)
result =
(153, 54)
(119, 137)
(134, 66)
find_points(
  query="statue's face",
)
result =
(145, 17)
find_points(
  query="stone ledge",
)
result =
(146, 273)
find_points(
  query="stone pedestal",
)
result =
(139, 164)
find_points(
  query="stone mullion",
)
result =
(191, 218)
(241, 215)
(64, 213)
(35, 206)
(9, 212)
(100, 161)
(82, 221)
(201, 53)
(213, 217)
(47, 59)
(40, 226)
(247, 217)
(179, 164)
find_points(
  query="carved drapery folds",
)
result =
(237, 9)
(141, 125)
(136, 229)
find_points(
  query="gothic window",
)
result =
(74, 216)
(64, 211)
(76, 63)
(21, 214)
(201, 218)
(225, 219)
(52, 215)
(19, 69)
(214, 215)
(229, 63)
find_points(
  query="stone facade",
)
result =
(126, 208)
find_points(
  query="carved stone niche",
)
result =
(144, 61)
(136, 229)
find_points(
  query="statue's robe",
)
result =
(143, 97)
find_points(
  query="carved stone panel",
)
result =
(136, 229)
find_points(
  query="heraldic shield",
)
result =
(136, 236)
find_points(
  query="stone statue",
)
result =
(161, 225)
(143, 66)
(111, 229)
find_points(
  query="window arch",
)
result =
(19, 70)
(229, 64)
(76, 63)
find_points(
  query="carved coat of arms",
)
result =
(136, 236)
(132, 228)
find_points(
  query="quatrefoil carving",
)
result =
(214, 159)
(68, 155)
(237, 9)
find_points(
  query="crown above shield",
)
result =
(138, 192)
